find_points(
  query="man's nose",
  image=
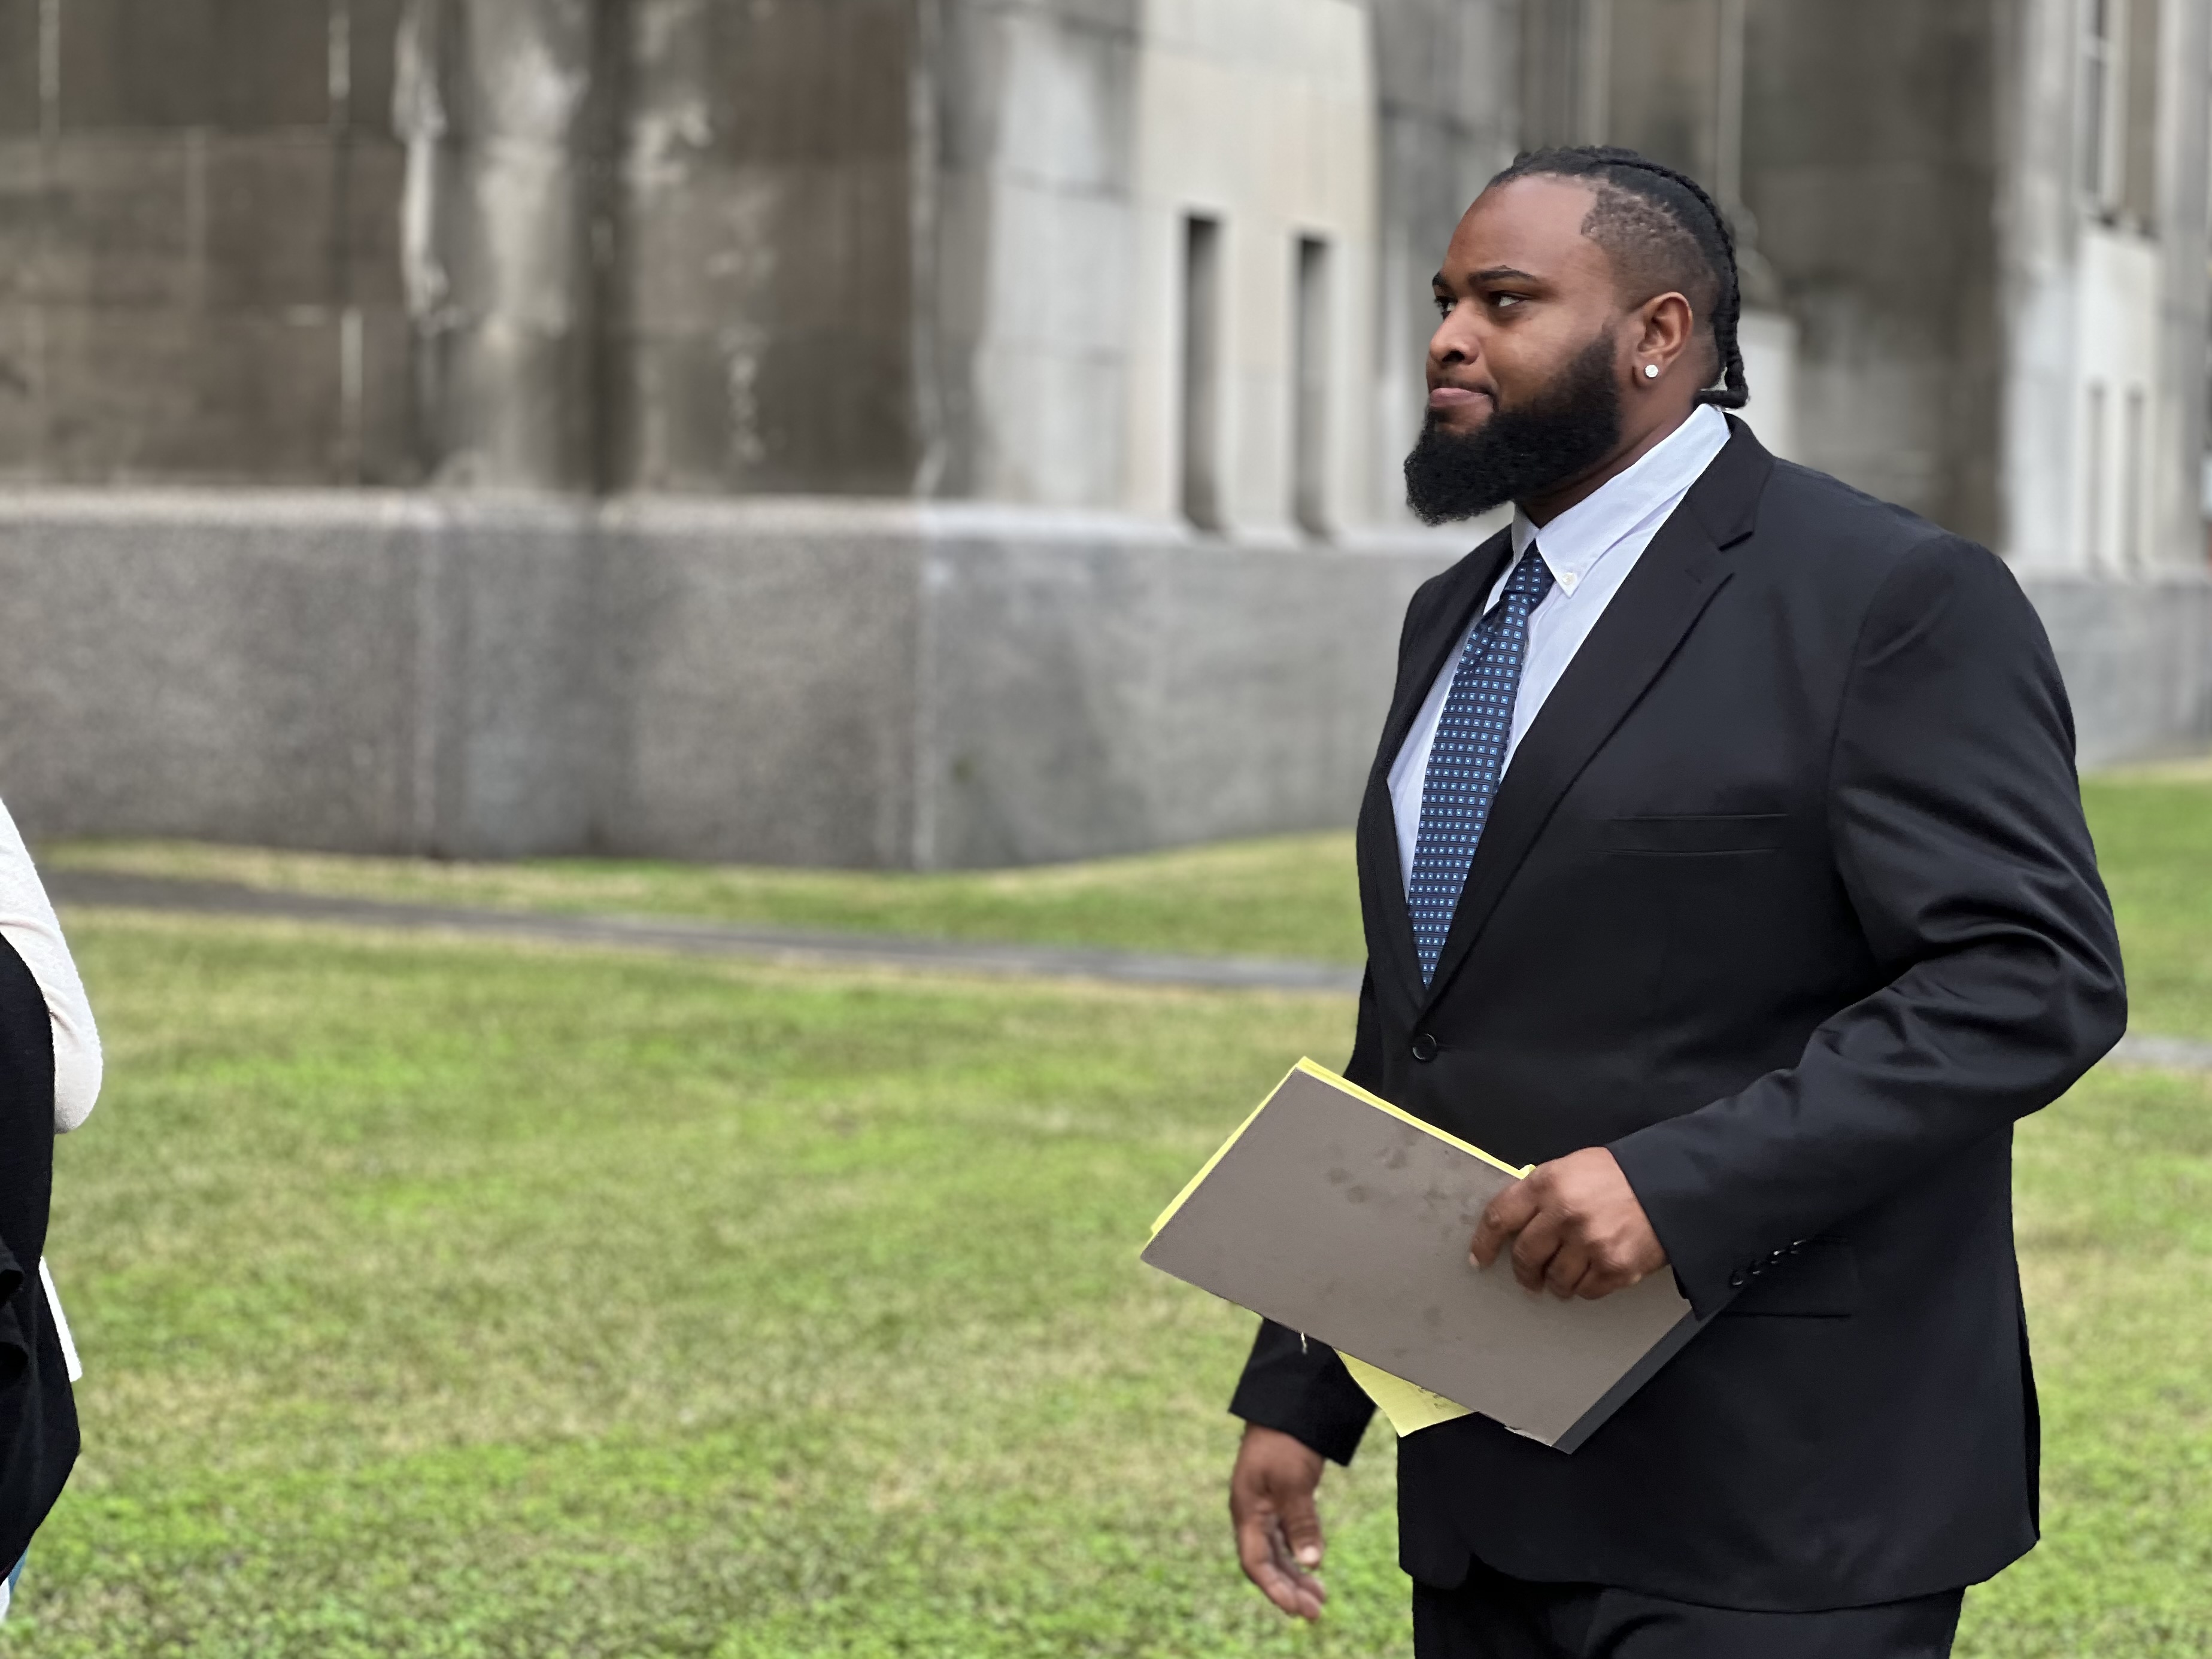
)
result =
(1453, 344)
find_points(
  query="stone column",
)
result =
(1449, 114)
(1566, 58)
(1871, 158)
(502, 112)
(760, 325)
(2182, 174)
(1677, 94)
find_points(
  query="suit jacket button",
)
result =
(1425, 1048)
(1735, 1281)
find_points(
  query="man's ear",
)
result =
(1666, 328)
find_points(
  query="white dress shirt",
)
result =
(27, 923)
(1591, 547)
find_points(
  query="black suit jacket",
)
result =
(1787, 898)
(37, 1414)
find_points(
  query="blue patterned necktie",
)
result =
(1469, 755)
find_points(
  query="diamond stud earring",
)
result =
(1650, 370)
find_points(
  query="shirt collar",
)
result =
(1573, 543)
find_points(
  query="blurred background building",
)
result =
(954, 432)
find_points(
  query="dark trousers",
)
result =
(1491, 1616)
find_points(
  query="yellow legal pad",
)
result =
(1336, 1213)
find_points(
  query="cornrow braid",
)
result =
(1685, 207)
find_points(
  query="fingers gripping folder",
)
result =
(1334, 1213)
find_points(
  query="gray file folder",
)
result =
(1336, 1214)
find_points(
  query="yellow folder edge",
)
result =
(1409, 1406)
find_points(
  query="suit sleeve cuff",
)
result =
(1301, 1388)
(1705, 1271)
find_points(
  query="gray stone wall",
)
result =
(1086, 696)
(199, 225)
(867, 685)
(797, 682)
(574, 260)
(556, 245)
(2138, 658)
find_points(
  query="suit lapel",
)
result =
(1382, 883)
(1425, 655)
(1662, 598)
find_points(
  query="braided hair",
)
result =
(1660, 228)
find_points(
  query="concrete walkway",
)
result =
(2163, 1053)
(103, 890)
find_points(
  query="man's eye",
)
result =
(1506, 302)
(1443, 303)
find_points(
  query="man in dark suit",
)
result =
(1723, 858)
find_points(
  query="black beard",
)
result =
(1519, 452)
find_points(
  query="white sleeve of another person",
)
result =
(28, 921)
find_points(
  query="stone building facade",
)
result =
(937, 433)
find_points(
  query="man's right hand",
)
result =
(1271, 1503)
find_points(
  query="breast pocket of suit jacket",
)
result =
(1719, 888)
(1697, 835)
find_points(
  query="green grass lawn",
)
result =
(2155, 842)
(442, 1298)
(460, 1299)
